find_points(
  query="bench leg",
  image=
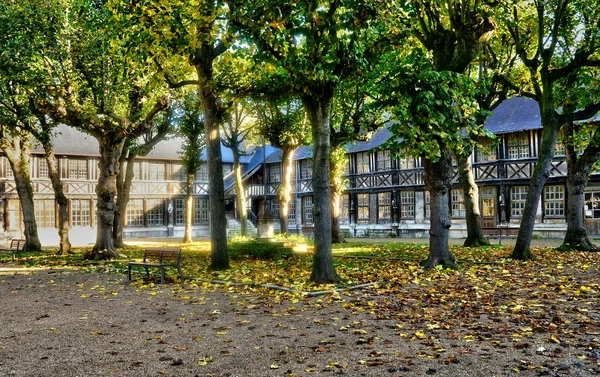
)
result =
(162, 274)
(129, 273)
(147, 273)
(500, 240)
(180, 274)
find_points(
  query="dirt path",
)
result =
(66, 323)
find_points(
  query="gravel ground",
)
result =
(70, 323)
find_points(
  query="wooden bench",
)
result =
(17, 246)
(500, 233)
(158, 257)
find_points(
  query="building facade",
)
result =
(384, 195)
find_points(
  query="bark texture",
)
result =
(285, 188)
(189, 207)
(124, 180)
(218, 221)
(111, 147)
(318, 109)
(578, 172)
(18, 153)
(337, 162)
(438, 178)
(61, 200)
(240, 198)
(475, 237)
(536, 186)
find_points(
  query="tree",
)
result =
(236, 130)
(283, 122)
(132, 149)
(180, 33)
(438, 110)
(318, 45)
(353, 119)
(16, 145)
(43, 132)
(453, 32)
(190, 127)
(556, 41)
(100, 90)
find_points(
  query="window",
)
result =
(274, 173)
(135, 212)
(362, 162)
(407, 204)
(201, 211)
(427, 205)
(4, 167)
(406, 162)
(274, 207)
(156, 171)
(345, 208)
(202, 172)
(42, 167)
(179, 215)
(292, 211)
(486, 151)
(592, 205)
(518, 145)
(306, 169)
(518, 196)
(45, 213)
(308, 210)
(15, 216)
(488, 201)
(178, 172)
(362, 206)
(78, 169)
(154, 212)
(554, 201)
(384, 207)
(137, 171)
(458, 203)
(384, 161)
(80, 212)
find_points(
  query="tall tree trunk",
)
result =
(218, 220)
(318, 109)
(240, 198)
(475, 237)
(124, 180)
(337, 161)
(578, 172)
(18, 153)
(111, 148)
(285, 189)
(536, 187)
(60, 198)
(438, 178)
(18, 159)
(189, 206)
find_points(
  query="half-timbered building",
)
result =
(384, 195)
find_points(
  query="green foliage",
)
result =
(254, 249)
(437, 109)
(190, 126)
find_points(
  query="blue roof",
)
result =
(252, 164)
(515, 114)
(378, 138)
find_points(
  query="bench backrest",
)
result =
(162, 255)
(17, 244)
